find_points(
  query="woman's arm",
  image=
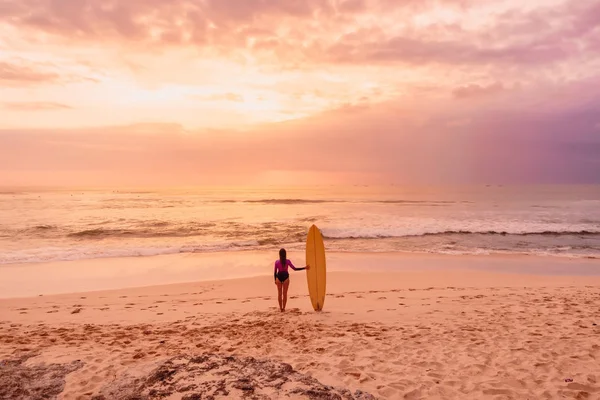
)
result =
(275, 272)
(294, 268)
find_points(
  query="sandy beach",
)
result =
(432, 330)
(431, 169)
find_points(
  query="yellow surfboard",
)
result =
(315, 276)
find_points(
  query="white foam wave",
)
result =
(50, 254)
(419, 228)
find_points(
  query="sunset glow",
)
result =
(197, 91)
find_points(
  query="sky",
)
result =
(185, 92)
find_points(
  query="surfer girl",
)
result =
(282, 277)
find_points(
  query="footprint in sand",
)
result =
(76, 311)
(51, 312)
(122, 297)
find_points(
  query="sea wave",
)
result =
(292, 201)
(49, 254)
(148, 230)
(383, 234)
(276, 231)
(100, 232)
(73, 253)
(44, 227)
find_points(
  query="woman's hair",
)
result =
(282, 257)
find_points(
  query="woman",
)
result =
(282, 277)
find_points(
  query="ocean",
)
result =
(71, 224)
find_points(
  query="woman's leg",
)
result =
(286, 285)
(279, 293)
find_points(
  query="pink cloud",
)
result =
(35, 106)
(12, 73)
(21, 73)
(352, 6)
(449, 144)
(462, 122)
(232, 97)
(541, 36)
(475, 90)
(409, 50)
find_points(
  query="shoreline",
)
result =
(295, 246)
(103, 274)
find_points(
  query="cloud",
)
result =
(151, 19)
(461, 122)
(469, 91)
(35, 106)
(231, 97)
(23, 74)
(415, 51)
(319, 31)
(470, 145)
(223, 63)
(352, 6)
